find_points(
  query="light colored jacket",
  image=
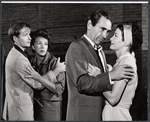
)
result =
(19, 94)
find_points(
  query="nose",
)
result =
(111, 38)
(42, 46)
(30, 37)
(104, 34)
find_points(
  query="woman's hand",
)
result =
(60, 67)
(93, 71)
(109, 67)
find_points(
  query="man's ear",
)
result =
(89, 24)
(15, 39)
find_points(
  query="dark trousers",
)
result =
(51, 111)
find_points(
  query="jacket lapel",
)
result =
(105, 63)
(91, 51)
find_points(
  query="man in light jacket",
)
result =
(21, 77)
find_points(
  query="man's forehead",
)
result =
(105, 23)
(25, 29)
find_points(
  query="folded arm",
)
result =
(57, 76)
(58, 81)
(76, 68)
(113, 96)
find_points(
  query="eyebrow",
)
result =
(106, 29)
(109, 31)
(103, 28)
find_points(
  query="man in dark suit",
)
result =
(84, 91)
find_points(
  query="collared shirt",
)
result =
(101, 57)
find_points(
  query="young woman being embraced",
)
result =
(126, 40)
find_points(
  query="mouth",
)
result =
(42, 51)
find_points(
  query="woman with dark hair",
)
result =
(126, 40)
(47, 105)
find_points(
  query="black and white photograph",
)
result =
(74, 61)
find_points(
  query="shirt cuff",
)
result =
(111, 82)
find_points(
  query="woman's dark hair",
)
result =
(14, 29)
(120, 26)
(95, 16)
(40, 33)
(137, 36)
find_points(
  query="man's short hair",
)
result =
(14, 29)
(95, 16)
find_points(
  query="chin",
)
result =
(43, 55)
(111, 48)
(97, 42)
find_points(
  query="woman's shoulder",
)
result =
(130, 60)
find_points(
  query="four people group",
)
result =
(89, 78)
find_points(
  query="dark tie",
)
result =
(97, 49)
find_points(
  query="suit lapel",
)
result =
(105, 63)
(91, 51)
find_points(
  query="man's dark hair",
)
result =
(14, 29)
(95, 16)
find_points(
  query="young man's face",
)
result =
(24, 39)
(100, 31)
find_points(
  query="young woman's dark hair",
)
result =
(120, 26)
(137, 36)
(40, 33)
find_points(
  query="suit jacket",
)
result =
(19, 94)
(84, 91)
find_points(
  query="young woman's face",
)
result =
(116, 41)
(40, 46)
